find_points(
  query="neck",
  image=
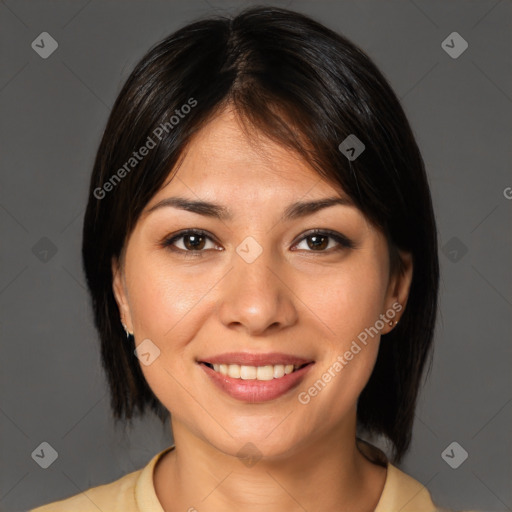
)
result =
(329, 473)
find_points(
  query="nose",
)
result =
(257, 297)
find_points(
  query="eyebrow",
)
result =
(217, 211)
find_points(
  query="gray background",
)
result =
(52, 115)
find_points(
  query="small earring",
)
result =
(392, 323)
(128, 333)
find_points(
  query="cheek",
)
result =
(162, 298)
(165, 308)
(169, 306)
(350, 299)
(349, 303)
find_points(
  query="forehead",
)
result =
(222, 158)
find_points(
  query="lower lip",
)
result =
(254, 391)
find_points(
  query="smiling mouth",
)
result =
(244, 372)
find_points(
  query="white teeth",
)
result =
(234, 371)
(267, 372)
(248, 372)
(278, 371)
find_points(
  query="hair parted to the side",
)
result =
(307, 88)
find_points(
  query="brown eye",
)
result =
(189, 241)
(194, 242)
(317, 241)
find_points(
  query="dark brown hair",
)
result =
(307, 88)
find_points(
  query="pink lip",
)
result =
(244, 358)
(256, 390)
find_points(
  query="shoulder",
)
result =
(401, 491)
(115, 496)
(405, 494)
(133, 492)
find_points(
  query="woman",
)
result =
(261, 252)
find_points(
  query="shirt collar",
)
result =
(401, 492)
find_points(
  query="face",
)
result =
(234, 302)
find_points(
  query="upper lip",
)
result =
(244, 358)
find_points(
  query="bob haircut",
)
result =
(307, 88)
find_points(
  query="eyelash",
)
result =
(343, 241)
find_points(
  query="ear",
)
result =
(119, 289)
(398, 289)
